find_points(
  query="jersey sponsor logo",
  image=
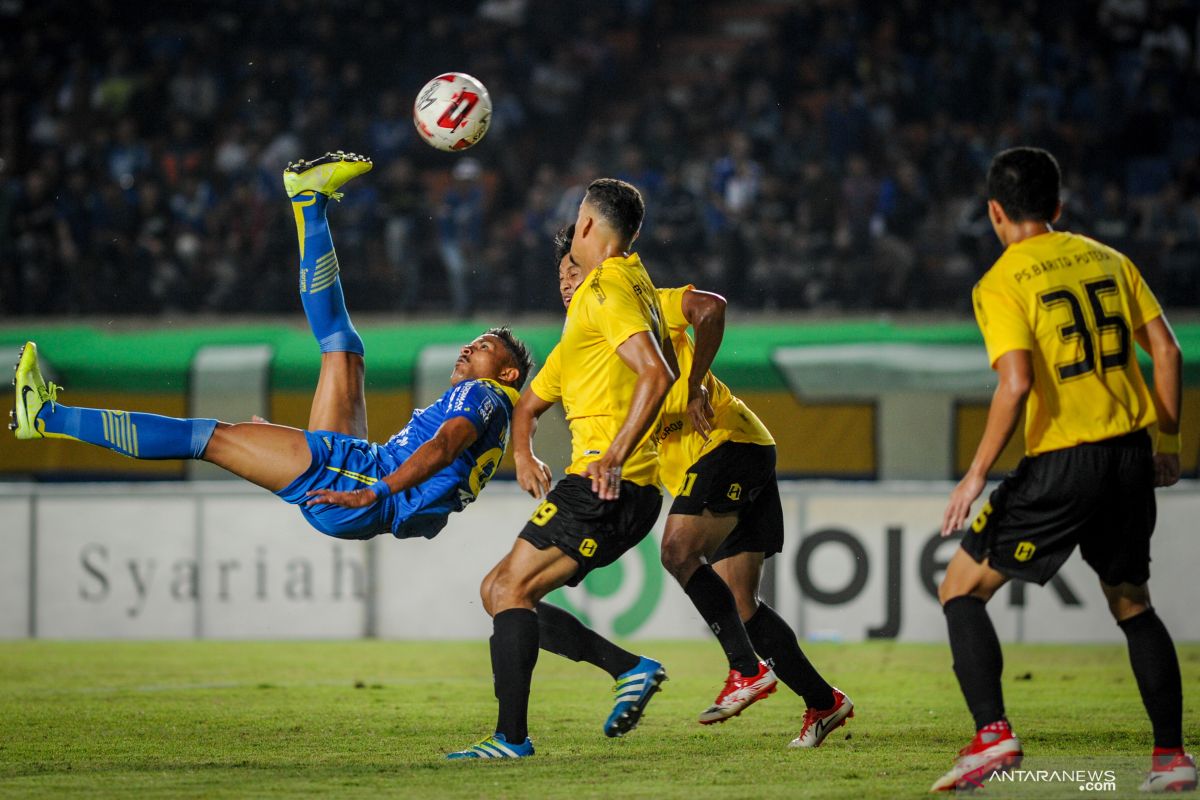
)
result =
(587, 548)
(486, 409)
(735, 491)
(667, 430)
(1024, 551)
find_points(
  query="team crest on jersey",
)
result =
(735, 491)
(1024, 551)
(587, 548)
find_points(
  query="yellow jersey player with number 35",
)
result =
(1060, 315)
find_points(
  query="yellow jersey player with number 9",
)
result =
(1060, 315)
(611, 370)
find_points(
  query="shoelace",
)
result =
(811, 715)
(50, 393)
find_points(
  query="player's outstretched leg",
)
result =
(268, 455)
(637, 678)
(339, 403)
(37, 414)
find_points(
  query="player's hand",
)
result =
(606, 478)
(534, 476)
(1166, 469)
(959, 507)
(359, 498)
(700, 410)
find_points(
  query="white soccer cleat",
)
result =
(1176, 775)
(819, 724)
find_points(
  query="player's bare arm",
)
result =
(1014, 371)
(641, 354)
(533, 474)
(1157, 339)
(705, 312)
(453, 437)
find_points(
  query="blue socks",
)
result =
(130, 433)
(320, 288)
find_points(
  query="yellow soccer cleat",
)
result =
(32, 392)
(324, 174)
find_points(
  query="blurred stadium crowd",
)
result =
(809, 154)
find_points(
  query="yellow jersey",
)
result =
(1074, 304)
(616, 301)
(679, 444)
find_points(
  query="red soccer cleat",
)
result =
(819, 724)
(739, 693)
(994, 749)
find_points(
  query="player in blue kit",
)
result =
(345, 486)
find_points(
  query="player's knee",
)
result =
(679, 556)
(1126, 601)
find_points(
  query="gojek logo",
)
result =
(621, 596)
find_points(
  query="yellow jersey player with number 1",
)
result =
(611, 371)
(1061, 315)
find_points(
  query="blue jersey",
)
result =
(488, 405)
(342, 463)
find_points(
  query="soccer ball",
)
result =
(452, 112)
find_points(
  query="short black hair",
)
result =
(1025, 181)
(518, 351)
(562, 243)
(620, 204)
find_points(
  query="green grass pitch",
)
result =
(374, 718)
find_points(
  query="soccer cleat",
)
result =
(32, 393)
(740, 693)
(1176, 775)
(324, 174)
(495, 746)
(994, 749)
(819, 724)
(634, 690)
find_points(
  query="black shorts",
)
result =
(737, 477)
(592, 531)
(1098, 495)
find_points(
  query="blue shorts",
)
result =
(342, 463)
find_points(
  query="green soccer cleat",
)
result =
(32, 392)
(324, 174)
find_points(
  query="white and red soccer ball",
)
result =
(452, 112)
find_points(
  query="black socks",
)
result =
(1156, 668)
(978, 661)
(775, 642)
(715, 602)
(565, 635)
(514, 653)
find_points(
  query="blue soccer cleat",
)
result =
(634, 690)
(495, 746)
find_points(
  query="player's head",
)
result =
(1024, 183)
(570, 274)
(610, 217)
(496, 355)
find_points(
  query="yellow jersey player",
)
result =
(1060, 315)
(610, 372)
(718, 460)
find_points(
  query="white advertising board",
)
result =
(217, 560)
